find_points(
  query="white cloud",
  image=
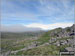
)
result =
(38, 25)
(57, 10)
(49, 26)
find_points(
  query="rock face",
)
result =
(66, 32)
(64, 36)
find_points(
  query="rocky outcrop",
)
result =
(64, 36)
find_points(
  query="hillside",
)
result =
(53, 42)
(57, 34)
(48, 43)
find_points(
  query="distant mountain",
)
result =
(18, 28)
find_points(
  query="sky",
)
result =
(45, 14)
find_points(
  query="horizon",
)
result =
(21, 29)
(37, 14)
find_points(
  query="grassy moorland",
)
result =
(38, 43)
